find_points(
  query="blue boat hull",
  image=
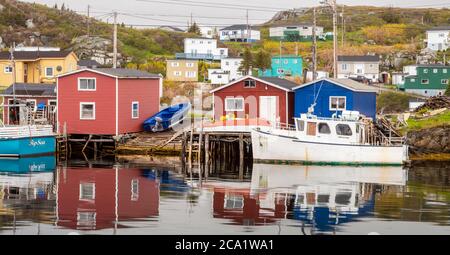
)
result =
(24, 147)
(28, 164)
(167, 118)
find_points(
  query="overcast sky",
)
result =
(161, 12)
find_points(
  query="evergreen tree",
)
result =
(447, 91)
(63, 7)
(194, 28)
(263, 60)
(247, 62)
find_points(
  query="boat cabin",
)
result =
(343, 131)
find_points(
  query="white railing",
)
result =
(25, 131)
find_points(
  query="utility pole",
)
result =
(314, 47)
(88, 20)
(248, 28)
(13, 65)
(343, 26)
(115, 41)
(333, 5)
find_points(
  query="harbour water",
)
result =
(105, 197)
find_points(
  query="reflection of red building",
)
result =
(243, 208)
(97, 198)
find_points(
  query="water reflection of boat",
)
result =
(92, 199)
(322, 195)
(26, 165)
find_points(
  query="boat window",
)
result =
(311, 128)
(300, 125)
(324, 128)
(343, 129)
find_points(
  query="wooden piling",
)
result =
(241, 156)
(207, 152)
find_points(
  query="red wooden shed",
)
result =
(106, 101)
(268, 98)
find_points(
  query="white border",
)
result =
(132, 103)
(53, 72)
(234, 98)
(87, 78)
(87, 103)
(337, 109)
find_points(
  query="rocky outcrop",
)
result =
(95, 48)
(432, 140)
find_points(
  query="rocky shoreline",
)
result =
(434, 140)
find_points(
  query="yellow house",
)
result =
(36, 66)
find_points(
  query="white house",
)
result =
(240, 33)
(398, 78)
(438, 38)
(319, 75)
(303, 31)
(202, 48)
(229, 71)
(353, 66)
(208, 32)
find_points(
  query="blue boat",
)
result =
(167, 118)
(27, 140)
(27, 165)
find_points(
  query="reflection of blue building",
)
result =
(287, 65)
(168, 180)
(27, 165)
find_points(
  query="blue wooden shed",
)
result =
(333, 96)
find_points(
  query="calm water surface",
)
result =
(122, 198)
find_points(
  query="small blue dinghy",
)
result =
(167, 118)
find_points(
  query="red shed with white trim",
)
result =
(106, 101)
(268, 98)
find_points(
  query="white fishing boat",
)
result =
(348, 139)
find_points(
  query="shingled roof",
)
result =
(364, 58)
(117, 72)
(33, 55)
(32, 89)
(240, 27)
(272, 81)
(346, 83)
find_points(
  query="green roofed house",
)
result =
(295, 32)
(430, 80)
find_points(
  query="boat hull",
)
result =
(275, 148)
(27, 146)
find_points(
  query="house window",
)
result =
(32, 104)
(87, 191)
(343, 129)
(425, 81)
(8, 69)
(344, 67)
(295, 61)
(135, 110)
(444, 81)
(86, 220)
(227, 63)
(337, 103)
(300, 125)
(413, 80)
(189, 64)
(87, 111)
(233, 201)
(280, 71)
(234, 104)
(134, 190)
(88, 84)
(435, 70)
(191, 74)
(277, 61)
(286, 61)
(175, 64)
(49, 72)
(324, 128)
(444, 70)
(176, 73)
(425, 70)
(219, 76)
(249, 84)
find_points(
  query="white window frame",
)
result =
(444, 81)
(234, 100)
(194, 74)
(53, 72)
(344, 67)
(132, 110)
(425, 83)
(87, 78)
(444, 70)
(175, 64)
(177, 73)
(337, 109)
(81, 110)
(52, 101)
(189, 64)
(9, 68)
(425, 70)
(134, 193)
(435, 70)
(35, 103)
(80, 197)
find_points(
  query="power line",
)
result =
(212, 5)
